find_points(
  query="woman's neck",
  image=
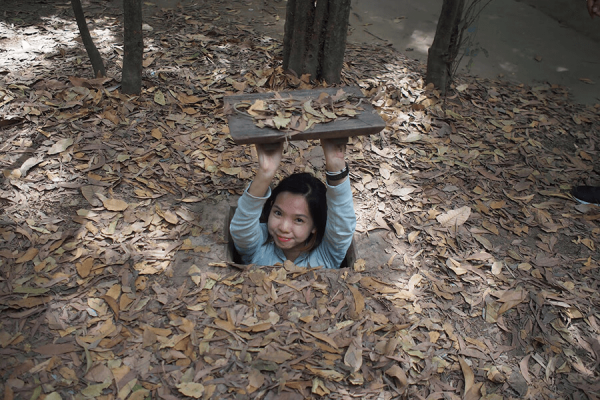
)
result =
(291, 254)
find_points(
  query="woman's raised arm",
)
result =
(269, 157)
(335, 160)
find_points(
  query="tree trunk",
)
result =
(315, 38)
(90, 48)
(133, 47)
(445, 46)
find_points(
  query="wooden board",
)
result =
(244, 131)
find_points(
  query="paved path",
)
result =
(532, 41)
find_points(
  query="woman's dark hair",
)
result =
(314, 191)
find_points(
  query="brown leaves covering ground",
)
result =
(484, 282)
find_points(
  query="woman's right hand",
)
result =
(269, 157)
(593, 7)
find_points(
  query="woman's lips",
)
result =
(282, 239)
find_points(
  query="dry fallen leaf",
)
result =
(60, 146)
(191, 389)
(159, 98)
(85, 267)
(156, 133)
(454, 217)
(353, 356)
(28, 256)
(93, 391)
(468, 374)
(359, 265)
(115, 204)
(359, 300)
(398, 373)
(327, 374)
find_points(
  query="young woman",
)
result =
(302, 219)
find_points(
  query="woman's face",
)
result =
(290, 223)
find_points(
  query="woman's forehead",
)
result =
(292, 203)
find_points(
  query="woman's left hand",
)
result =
(335, 151)
(593, 7)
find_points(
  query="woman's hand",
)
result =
(335, 151)
(593, 7)
(335, 161)
(269, 157)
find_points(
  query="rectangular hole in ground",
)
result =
(234, 256)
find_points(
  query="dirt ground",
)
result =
(477, 274)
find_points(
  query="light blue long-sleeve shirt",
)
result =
(249, 235)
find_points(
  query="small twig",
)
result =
(536, 314)
(140, 172)
(241, 112)
(375, 36)
(235, 335)
(512, 273)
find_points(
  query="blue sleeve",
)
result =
(245, 228)
(341, 224)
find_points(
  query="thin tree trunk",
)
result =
(133, 47)
(315, 38)
(313, 55)
(90, 48)
(334, 45)
(298, 18)
(444, 48)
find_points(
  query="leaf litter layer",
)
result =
(294, 115)
(114, 284)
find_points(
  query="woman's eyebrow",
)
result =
(296, 215)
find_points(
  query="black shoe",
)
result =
(587, 194)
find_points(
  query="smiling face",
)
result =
(290, 223)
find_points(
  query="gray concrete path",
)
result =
(532, 41)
